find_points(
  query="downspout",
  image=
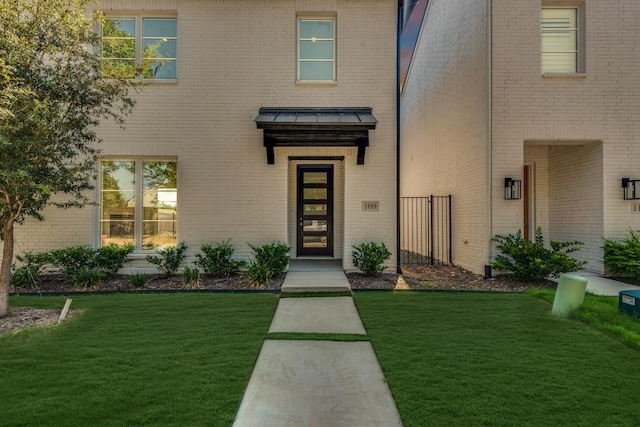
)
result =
(489, 157)
(399, 32)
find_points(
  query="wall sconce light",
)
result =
(512, 189)
(629, 189)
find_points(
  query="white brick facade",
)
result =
(577, 133)
(233, 58)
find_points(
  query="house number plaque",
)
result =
(370, 206)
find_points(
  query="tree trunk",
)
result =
(5, 267)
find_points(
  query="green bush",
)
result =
(138, 280)
(86, 278)
(34, 264)
(216, 260)
(259, 273)
(531, 260)
(73, 258)
(369, 257)
(111, 258)
(190, 275)
(170, 259)
(269, 260)
(622, 257)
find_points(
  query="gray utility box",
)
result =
(629, 303)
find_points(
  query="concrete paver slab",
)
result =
(316, 281)
(603, 286)
(317, 315)
(317, 383)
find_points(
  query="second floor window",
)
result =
(139, 47)
(316, 50)
(559, 40)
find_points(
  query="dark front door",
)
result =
(315, 210)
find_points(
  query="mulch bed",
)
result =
(444, 278)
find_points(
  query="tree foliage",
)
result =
(52, 99)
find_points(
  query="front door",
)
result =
(315, 210)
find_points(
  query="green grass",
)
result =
(601, 312)
(475, 359)
(451, 359)
(170, 360)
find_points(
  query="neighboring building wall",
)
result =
(587, 121)
(444, 122)
(575, 199)
(233, 58)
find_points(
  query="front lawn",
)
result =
(472, 359)
(451, 359)
(171, 360)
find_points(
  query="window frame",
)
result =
(300, 60)
(138, 194)
(580, 48)
(139, 39)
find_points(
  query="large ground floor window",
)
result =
(138, 202)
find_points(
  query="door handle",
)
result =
(301, 222)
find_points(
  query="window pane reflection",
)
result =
(315, 209)
(315, 177)
(315, 193)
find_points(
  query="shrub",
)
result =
(191, 275)
(86, 278)
(369, 257)
(138, 280)
(170, 259)
(34, 264)
(531, 260)
(259, 273)
(111, 258)
(216, 260)
(270, 260)
(622, 257)
(107, 259)
(73, 258)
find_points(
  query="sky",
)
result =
(410, 33)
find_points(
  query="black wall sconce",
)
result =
(512, 189)
(629, 189)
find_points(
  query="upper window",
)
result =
(139, 47)
(138, 203)
(316, 50)
(560, 47)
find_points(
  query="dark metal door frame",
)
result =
(304, 217)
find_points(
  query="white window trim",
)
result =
(580, 37)
(335, 52)
(139, 39)
(138, 195)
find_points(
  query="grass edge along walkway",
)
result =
(499, 360)
(167, 360)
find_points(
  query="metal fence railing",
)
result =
(425, 230)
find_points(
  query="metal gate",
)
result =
(425, 230)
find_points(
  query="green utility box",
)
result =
(569, 294)
(629, 303)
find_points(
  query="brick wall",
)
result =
(444, 122)
(233, 58)
(586, 123)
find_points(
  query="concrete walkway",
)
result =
(327, 383)
(602, 286)
(311, 382)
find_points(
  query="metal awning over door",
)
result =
(315, 127)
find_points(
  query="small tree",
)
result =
(52, 99)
